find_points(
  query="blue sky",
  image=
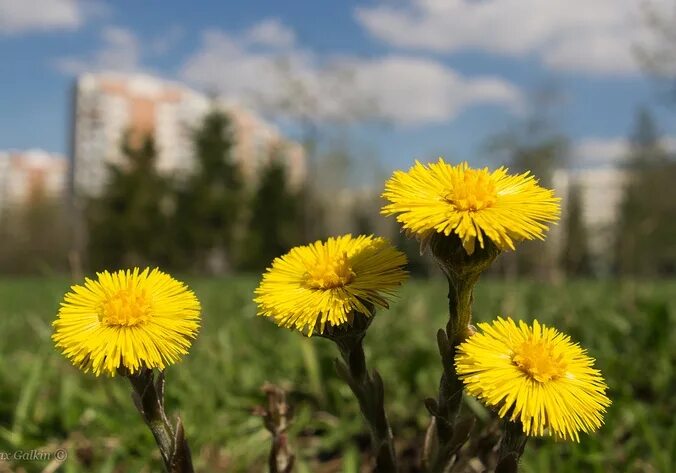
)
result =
(442, 74)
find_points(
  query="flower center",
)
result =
(328, 273)
(537, 361)
(472, 190)
(125, 308)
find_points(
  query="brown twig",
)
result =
(277, 418)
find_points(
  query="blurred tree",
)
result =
(418, 265)
(210, 201)
(575, 256)
(363, 220)
(128, 223)
(534, 145)
(276, 220)
(313, 211)
(330, 192)
(35, 237)
(657, 51)
(644, 139)
(333, 169)
(319, 110)
(646, 229)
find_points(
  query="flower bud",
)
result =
(453, 259)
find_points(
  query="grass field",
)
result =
(45, 403)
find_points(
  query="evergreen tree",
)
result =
(418, 265)
(34, 236)
(362, 218)
(312, 211)
(210, 201)
(534, 145)
(646, 149)
(128, 222)
(647, 222)
(575, 258)
(276, 220)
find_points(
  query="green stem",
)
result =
(513, 441)
(149, 399)
(447, 407)
(368, 389)
(460, 299)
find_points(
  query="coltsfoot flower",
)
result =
(533, 374)
(326, 282)
(127, 319)
(472, 203)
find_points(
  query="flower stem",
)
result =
(148, 395)
(368, 389)
(460, 298)
(446, 437)
(276, 418)
(511, 447)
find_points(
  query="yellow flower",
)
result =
(129, 319)
(324, 282)
(471, 203)
(535, 375)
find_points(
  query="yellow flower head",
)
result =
(472, 203)
(535, 375)
(324, 282)
(131, 319)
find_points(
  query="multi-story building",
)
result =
(256, 143)
(30, 176)
(110, 107)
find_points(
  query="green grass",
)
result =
(45, 403)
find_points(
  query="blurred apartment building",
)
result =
(30, 176)
(601, 192)
(107, 106)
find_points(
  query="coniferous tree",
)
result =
(534, 145)
(128, 222)
(34, 236)
(362, 218)
(210, 201)
(418, 265)
(647, 220)
(276, 220)
(575, 257)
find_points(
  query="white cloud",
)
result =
(272, 33)
(613, 151)
(120, 51)
(21, 16)
(411, 90)
(166, 41)
(398, 88)
(592, 36)
(594, 152)
(223, 63)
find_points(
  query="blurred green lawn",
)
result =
(45, 403)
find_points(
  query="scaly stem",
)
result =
(368, 389)
(148, 397)
(512, 445)
(460, 298)
(446, 435)
(276, 418)
(447, 440)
